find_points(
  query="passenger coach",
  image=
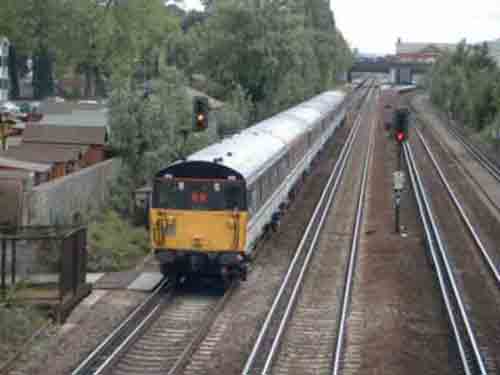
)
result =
(208, 211)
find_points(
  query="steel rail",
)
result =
(433, 232)
(310, 252)
(419, 193)
(191, 347)
(338, 168)
(349, 278)
(463, 214)
(83, 367)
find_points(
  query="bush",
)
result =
(18, 324)
(114, 244)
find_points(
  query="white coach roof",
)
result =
(252, 150)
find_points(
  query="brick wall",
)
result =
(94, 155)
(61, 200)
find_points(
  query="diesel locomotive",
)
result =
(208, 211)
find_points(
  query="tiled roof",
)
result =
(419, 47)
(78, 135)
(44, 153)
(18, 164)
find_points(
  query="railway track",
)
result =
(481, 158)
(159, 336)
(465, 218)
(270, 338)
(99, 356)
(469, 334)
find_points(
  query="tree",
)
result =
(271, 44)
(148, 133)
(31, 26)
(13, 73)
(464, 84)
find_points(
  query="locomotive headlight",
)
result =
(217, 187)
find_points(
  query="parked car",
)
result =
(30, 112)
(9, 107)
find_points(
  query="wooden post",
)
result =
(13, 263)
(4, 134)
(4, 261)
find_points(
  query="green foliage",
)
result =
(278, 52)
(18, 324)
(95, 37)
(235, 114)
(114, 244)
(149, 133)
(466, 85)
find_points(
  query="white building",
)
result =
(421, 52)
(4, 70)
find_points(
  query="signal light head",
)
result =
(400, 136)
(200, 113)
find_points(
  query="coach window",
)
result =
(234, 196)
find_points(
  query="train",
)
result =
(208, 211)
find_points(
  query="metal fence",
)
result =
(61, 288)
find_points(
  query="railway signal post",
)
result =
(401, 122)
(200, 113)
(399, 183)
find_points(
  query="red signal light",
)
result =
(400, 136)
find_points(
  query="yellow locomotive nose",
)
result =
(198, 230)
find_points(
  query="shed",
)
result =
(94, 138)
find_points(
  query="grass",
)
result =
(18, 323)
(114, 244)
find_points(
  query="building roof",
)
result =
(78, 135)
(250, 151)
(18, 164)
(44, 153)
(405, 48)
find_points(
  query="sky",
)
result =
(374, 26)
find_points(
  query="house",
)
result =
(37, 172)
(50, 152)
(421, 52)
(4, 69)
(89, 140)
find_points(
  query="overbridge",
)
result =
(385, 67)
(401, 72)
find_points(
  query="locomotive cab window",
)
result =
(202, 195)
